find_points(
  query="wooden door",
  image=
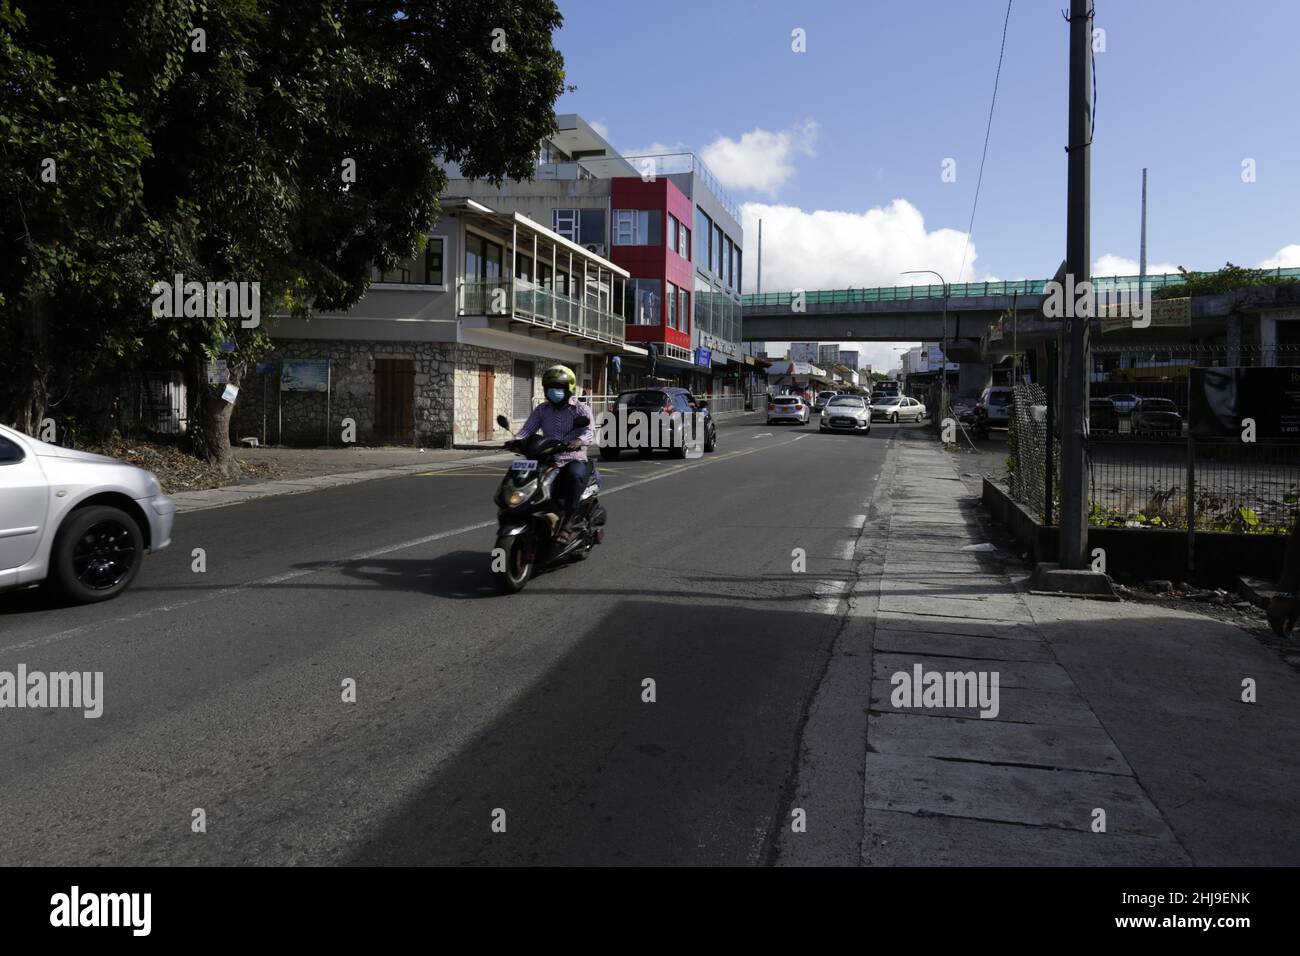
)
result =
(395, 401)
(487, 383)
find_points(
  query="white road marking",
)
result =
(857, 521)
(826, 597)
(337, 564)
(846, 550)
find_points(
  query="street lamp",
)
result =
(943, 347)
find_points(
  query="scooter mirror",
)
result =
(503, 422)
(582, 421)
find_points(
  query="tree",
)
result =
(247, 140)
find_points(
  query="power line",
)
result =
(984, 155)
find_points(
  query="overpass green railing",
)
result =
(894, 293)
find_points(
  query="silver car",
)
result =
(82, 521)
(898, 408)
(846, 413)
(787, 408)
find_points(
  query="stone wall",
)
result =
(352, 394)
(446, 393)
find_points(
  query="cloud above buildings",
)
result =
(834, 249)
(761, 160)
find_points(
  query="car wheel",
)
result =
(96, 554)
(711, 442)
(609, 454)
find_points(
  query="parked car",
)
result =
(963, 409)
(664, 400)
(1157, 416)
(1124, 403)
(849, 413)
(898, 408)
(787, 408)
(993, 410)
(1102, 416)
(82, 522)
(820, 401)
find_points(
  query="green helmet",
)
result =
(559, 376)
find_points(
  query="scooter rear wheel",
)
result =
(521, 559)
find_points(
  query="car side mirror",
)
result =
(503, 422)
(582, 421)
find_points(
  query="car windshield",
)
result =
(847, 400)
(642, 400)
(999, 398)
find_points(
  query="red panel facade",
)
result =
(655, 262)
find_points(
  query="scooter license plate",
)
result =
(523, 465)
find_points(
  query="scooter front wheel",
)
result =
(520, 559)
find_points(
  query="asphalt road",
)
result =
(223, 689)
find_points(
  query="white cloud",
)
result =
(1288, 257)
(1113, 265)
(601, 129)
(760, 160)
(831, 249)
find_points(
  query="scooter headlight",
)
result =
(514, 497)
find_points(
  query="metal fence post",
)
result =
(1191, 503)
(1049, 464)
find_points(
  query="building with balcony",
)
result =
(665, 220)
(448, 340)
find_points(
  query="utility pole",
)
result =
(759, 286)
(1073, 519)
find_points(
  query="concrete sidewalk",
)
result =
(330, 467)
(1129, 710)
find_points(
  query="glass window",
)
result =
(715, 263)
(704, 236)
(673, 232)
(422, 269)
(565, 222)
(637, 227)
(738, 277)
(685, 248)
(641, 302)
(684, 311)
(9, 452)
(670, 303)
(729, 261)
(482, 258)
(591, 226)
(702, 319)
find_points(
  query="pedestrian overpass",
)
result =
(910, 313)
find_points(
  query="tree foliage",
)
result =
(208, 138)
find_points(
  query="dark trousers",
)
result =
(570, 483)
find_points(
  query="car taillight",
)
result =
(771, 407)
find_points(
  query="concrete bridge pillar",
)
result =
(972, 377)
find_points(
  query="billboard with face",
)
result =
(1222, 399)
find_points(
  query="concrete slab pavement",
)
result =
(1128, 710)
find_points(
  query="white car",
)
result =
(787, 408)
(846, 413)
(82, 521)
(898, 409)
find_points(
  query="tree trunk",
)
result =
(210, 418)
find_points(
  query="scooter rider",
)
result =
(556, 417)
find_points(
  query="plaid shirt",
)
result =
(558, 423)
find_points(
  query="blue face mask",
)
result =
(555, 395)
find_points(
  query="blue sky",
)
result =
(888, 90)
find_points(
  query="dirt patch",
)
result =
(178, 470)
